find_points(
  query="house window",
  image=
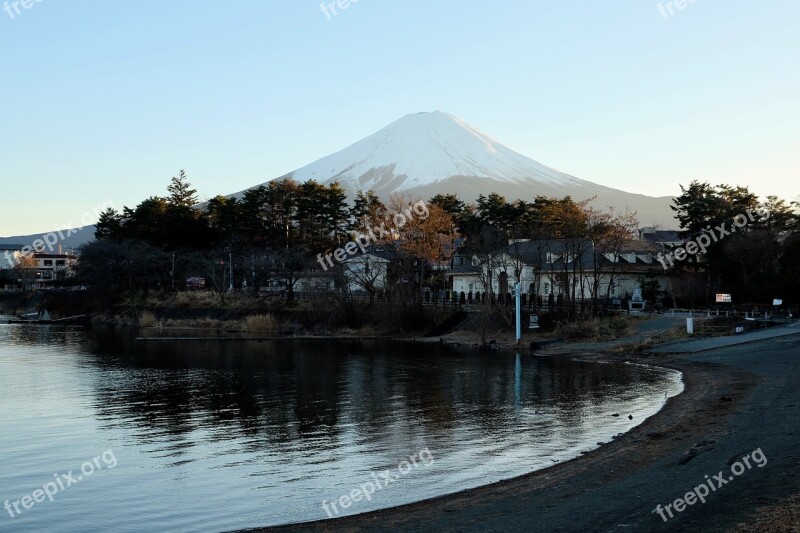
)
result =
(48, 262)
(546, 288)
(613, 290)
(61, 263)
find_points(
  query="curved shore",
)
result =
(736, 399)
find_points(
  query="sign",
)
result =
(724, 298)
(777, 301)
(534, 322)
(196, 283)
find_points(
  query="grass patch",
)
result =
(594, 329)
(260, 324)
(148, 320)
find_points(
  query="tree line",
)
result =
(277, 230)
(757, 262)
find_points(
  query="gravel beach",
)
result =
(737, 399)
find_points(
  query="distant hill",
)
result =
(71, 242)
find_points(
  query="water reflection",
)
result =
(287, 391)
(268, 430)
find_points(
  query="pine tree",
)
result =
(180, 191)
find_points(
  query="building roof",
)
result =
(38, 255)
(381, 252)
(660, 236)
(640, 247)
(463, 270)
(11, 247)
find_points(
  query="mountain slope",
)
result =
(73, 239)
(428, 153)
(426, 148)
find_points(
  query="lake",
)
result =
(217, 436)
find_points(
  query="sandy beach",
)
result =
(737, 399)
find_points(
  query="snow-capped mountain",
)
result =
(426, 148)
(428, 153)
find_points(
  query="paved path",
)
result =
(702, 345)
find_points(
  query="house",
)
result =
(313, 280)
(52, 267)
(369, 272)
(10, 255)
(571, 268)
(35, 270)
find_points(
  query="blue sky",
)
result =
(107, 100)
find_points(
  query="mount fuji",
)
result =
(429, 153)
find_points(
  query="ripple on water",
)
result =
(212, 436)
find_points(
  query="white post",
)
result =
(690, 326)
(518, 294)
(230, 271)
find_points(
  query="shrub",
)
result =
(148, 320)
(582, 330)
(261, 324)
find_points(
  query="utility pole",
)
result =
(230, 266)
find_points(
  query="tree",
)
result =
(452, 205)
(109, 225)
(180, 191)
(224, 217)
(368, 272)
(696, 208)
(25, 269)
(423, 235)
(610, 232)
(751, 264)
(366, 209)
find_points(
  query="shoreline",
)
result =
(688, 427)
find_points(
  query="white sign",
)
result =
(724, 298)
(777, 301)
(534, 322)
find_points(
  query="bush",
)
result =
(589, 330)
(620, 324)
(147, 320)
(594, 329)
(260, 324)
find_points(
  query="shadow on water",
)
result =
(268, 430)
(283, 391)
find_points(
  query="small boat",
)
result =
(43, 317)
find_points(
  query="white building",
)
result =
(367, 273)
(573, 268)
(10, 255)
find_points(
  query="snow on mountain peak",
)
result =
(425, 148)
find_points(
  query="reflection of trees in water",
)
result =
(41, 334)
(281, 393)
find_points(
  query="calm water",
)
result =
(210, 436)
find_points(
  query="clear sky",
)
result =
(106, 100)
